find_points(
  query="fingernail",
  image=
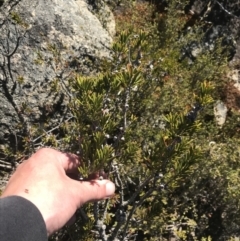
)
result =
(110, 189)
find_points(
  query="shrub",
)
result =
(146, 120)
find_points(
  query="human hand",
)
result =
(42, 180)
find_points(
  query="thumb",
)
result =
(86, 191)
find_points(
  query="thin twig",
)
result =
(133, 197)
(105, 210)
(225, 10)
(136, 204)
(5, 165)
(47, 132)
(4, 162)
(119, 182)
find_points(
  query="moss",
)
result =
(17, 19)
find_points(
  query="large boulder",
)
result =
(42, 43)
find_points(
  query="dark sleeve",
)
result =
(20, 220)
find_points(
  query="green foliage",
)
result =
(17, 19)
(143, 121)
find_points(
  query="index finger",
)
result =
(68, 161)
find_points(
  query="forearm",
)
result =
(21, 220)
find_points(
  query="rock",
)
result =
(231, 95)
(234, 75)
(42, 44)
(220, 112)
(101, 10)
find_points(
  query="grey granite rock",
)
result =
(42, 43)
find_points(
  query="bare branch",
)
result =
(225, 10)
(136, 204)
(133, 197)
(54, 128)
(5, 165)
